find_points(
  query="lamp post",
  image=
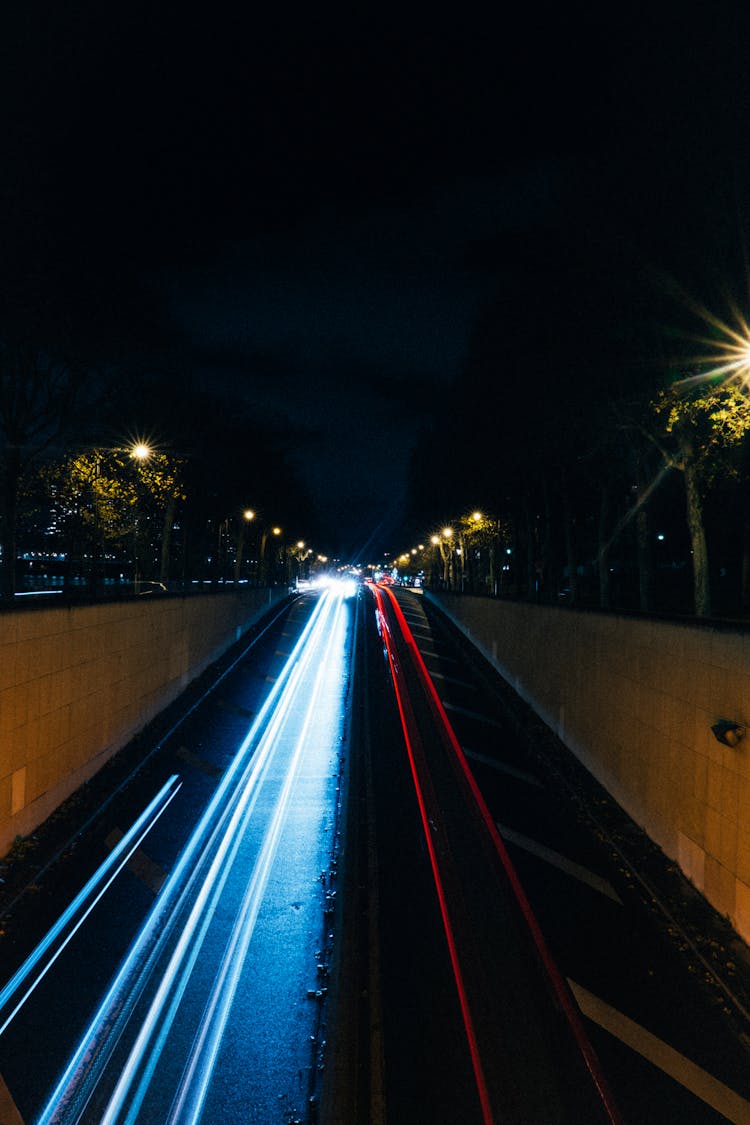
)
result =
(140, 453)
(445, 543)
(248, 516)
(262, 566)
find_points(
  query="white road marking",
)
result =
(140, 865)
(430, 654)
(698, 1081)
(502, 767)
(453, 680)
(197, 762)
(560, 861)
(474, 715)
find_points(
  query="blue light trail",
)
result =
(167, 1008)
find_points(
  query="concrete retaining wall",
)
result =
(634, 699)
(77, 684)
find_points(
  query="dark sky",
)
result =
(311, 209)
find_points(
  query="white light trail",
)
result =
(195, 885)
(67, 926)
(191, 1096)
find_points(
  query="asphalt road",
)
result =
(193, 986)
(659, 981)
(385, 969)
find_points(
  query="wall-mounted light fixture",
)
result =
(728, 733)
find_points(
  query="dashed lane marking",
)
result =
(502, 767)
(140, 865)
(9, 1114)
(698, 1081)
(453, 680)
(430, 654)
(590, 878)
(225, 705)
(474, 715)
(190, 758)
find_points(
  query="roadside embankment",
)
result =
(634, 699)
(77, 683)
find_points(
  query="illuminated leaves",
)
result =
(107, 489)
(702, 423)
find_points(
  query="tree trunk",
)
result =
(568, 533)
(694, 502)
(531, 552)
(602, 558)
(643, 547)
(166, 541)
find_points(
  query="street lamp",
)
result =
(446, 554)
(262, 567)
(140, 451)
(248, 516)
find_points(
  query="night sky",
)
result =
(312, 212)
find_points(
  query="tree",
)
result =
(697, 424)
(38, 396)
(106, 496)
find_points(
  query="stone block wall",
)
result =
(76, 684)
(635, 699)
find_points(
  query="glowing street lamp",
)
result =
(262, 566)
(140, 451)
(247, 516)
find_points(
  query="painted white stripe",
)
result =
(430, 654)
(502, 767)
(198, 762)
(698, 1081)
(560, 861)
(140, 865)
(474, 715)
(453, 680)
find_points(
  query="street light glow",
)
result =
(728, 355)
(140, 451)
